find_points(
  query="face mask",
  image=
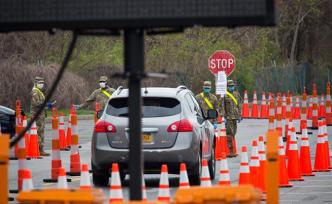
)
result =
(231, 88)
(102, 84)
(206, 90)
(40, 86)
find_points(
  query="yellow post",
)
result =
(4, 155)
(272, 167)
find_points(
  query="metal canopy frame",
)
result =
(135, 18)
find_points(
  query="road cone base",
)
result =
(14, 191)
(10, 199)
(321, 170)
(13, 158)
(307, 174)
(36, 157)
(313, 128)
(296, 179)
(65, 149)
(73, 173)
(285, 185)
(224, 183)
(54, 180)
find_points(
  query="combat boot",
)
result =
(43, 153)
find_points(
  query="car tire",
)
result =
(99, 178)
(195, 176)
(212, 164)
(122, 176)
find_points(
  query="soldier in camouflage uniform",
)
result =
(100, 95)
(37, 99)
(206, 99)
(230, 106)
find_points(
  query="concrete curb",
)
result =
(79, 117)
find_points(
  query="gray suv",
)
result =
(174, 130)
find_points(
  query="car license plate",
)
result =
(147, 138)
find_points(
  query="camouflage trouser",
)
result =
(231, 128)
(40, 122)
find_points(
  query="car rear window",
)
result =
(152, 107)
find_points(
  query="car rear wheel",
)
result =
(194, 177)
(212, 165)
(99, 178)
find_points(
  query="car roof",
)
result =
(152, 92)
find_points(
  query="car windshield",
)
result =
(152, 107)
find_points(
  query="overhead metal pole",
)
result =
(134, 69)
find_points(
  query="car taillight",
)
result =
(103, 126)
(180, 126)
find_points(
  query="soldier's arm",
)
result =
(89, 100)
(222, 106)
(240, 101)
(36, 100)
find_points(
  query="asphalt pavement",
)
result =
(316, 189)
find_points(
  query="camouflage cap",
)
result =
(39, 79)
(103, 78)
(230, 83)
(207, 84)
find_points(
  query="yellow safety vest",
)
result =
(106, 93)
(232, 97)
(39, 91)
(207, 101)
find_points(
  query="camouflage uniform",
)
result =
(100, 95)
(212, 98)
(37, 99)
(231, 112)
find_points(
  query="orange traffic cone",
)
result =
(294, 171)
(254, 107)
(244, 177)
(290, 130)
(303, 122)
(309, 111)
(305, 161)
(288, 120)
(68, 135)
(33, 143)
(262, 163)
(283, 173)
(62, 132)
(116, 194)
(85, 178)
(75, 158)
(283, 109)
(26, 136)
(279, 116)
(224, 178)
(271, 116)
(21, 154)
(328, 109)
(327, 149)
(263, 107)
(27, 184)
(164, 193)
(254, 165)
(221, 140)
(245, 105)
(297, 114)
(314, 108)
(321, 111)
(184, 181)
(321, 163)
(62, 179)
(205, 176)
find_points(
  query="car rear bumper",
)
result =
(185, 149)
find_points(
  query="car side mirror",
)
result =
(99, 114)
(212, 114)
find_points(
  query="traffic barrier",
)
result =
(309, 111)
(327, 149)
(205, 175)
(62, 132)
(245, 105)
(164, 192)
(33, 143)
(62, 179)
(254, 106)
(283, 109)
(27, 184)
(75, 158)
(271, 116)
(85, 182)
(244, 177)
(279, 116)
(97, 109)
(294, 171)
(303, 122)
(297, 112)
(224, 178)
(283, 173)
(328, 108)
(263, 107)
(321, 110)
(305, 160)
(321, 164)
(184, 181)
(262, 162)
(26, 135)
(116, 194)
(221, 141)
(254, 165)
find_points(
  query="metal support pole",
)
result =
(134, 69)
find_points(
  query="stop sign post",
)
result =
(221, 60)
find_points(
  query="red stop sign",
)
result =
(222, 60)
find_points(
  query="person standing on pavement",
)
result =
(230, 107)
(100, 95)
(206, 99)
(37, 100)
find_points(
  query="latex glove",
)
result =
(49, 106)
(239, 119)
(215, 125)
(77, 107)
